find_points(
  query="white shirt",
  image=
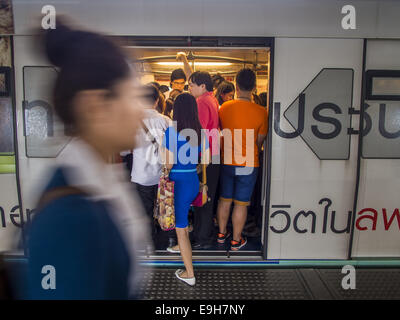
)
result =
(146, 163)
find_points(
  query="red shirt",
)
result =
(207, 106)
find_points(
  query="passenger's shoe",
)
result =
(172, 250)
(172, 242)
(189, 281)
(237, 245)
(221, 237)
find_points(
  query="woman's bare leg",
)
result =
(186, 251)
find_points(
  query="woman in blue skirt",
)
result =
(182, 144)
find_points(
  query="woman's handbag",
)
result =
(202, 197)
(164, 210)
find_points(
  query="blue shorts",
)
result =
(237, 183)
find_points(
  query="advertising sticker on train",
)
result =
(320, 114)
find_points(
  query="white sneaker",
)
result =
(172, 250)
(189, 281)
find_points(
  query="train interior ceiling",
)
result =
(157, 64)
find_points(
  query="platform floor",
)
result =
(270, 284)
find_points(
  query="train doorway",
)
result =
(155, 59)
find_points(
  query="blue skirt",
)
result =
(186, 188)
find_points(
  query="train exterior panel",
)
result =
(327, 192)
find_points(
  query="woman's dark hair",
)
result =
(217, 79)
(87, 61)
(169, 105)
(202, 77)
(224, 88)
(164, 88)
(156, 84)
(161, 103)
(186, 114)
(153, 95)
(256, 99)
(246, 79)
(263, 98)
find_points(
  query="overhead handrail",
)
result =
(192, 57)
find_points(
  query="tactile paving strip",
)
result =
(373, 284)
(225, 284)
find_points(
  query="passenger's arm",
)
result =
(260, 140)
(181, 56)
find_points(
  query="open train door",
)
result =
(316, 91)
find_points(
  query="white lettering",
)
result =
(49, 20)
(349, 281)
(349, 20)
(49, 280)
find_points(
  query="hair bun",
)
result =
(58, 43)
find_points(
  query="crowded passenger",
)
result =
(201, 87)
(240, 159)
(146, 164)
(217, 79)
(184, 173)
(178, 81)
(225, 92)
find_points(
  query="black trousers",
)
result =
(203, 224)
(148, 195)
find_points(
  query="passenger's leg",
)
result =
(224, 208)
(244, 185)
(203, 216)
(226, 196)
(148, 196)
(238, 220)
(186, 251)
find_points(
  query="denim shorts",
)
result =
(237, 183)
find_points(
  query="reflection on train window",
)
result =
(44, 132)
(6, 127)
(383, 85)
(386, 86)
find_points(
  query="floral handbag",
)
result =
(164, 209)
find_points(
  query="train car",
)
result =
(331, 70)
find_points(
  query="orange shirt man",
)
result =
(244, 127)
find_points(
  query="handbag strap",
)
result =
(148, 133)
(203, 152)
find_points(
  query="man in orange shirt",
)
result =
(245, 126)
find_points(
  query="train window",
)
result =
(44, 132)
(383, 85)
(7, 158)
(6, 127)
